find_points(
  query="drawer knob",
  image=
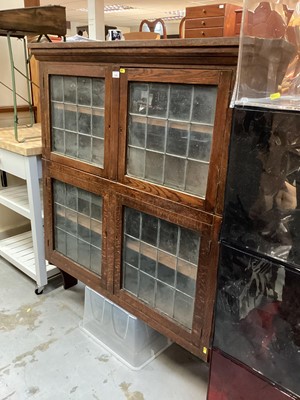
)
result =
(203, 23)
(204, 11)
(203, 33)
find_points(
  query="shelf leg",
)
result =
(33, 189)
(68, 280)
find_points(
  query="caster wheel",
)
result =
(39, 290)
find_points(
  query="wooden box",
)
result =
(211, 21)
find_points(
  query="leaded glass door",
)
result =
(165, 266)
(78, 128)
(172, 133)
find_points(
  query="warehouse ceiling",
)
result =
(130, 13)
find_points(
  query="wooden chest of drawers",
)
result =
(211, 21)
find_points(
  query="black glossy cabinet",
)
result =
(257, 317)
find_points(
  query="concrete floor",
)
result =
(45, 355)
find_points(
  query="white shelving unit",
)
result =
(26, 251)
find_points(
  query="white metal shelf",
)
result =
(16, 198)
(18, 250)
(26, 251)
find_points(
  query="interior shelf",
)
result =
(16, 198)
(18, 250)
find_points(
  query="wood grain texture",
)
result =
(214, 20)
(30, 147)
(213, 51)
(186, 61)
(34, 20)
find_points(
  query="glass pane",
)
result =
(135, 162)
(137, 131)
(159, 274)
(204, 104)
(70, 86)
(84, 253)
(146, 289)
(158, 100)
(154, 167)
(149, 229)
(71, 118)
(71, 222)
(156, 131)
(57, 115)
(58, 140)
(61, 241)
(96, 231)
(165, 298)
(177, 138)
(189, 245)
(200, 144)
(183, 309)
(84, 228)
(148, 259)
(71, 197)
(98, 92)
(59, 189)
(130, 279)
(196, 177)
(168, 237)
(148, 265)
(180, 134)
(59, 216)
(78, 113)
(180, 102)
(85, 148)
(186, 277)
(84, 202)
(98, 151)
(138, 98)
(96, 260)
(132, 222)
(72, 247)
(97, 124)
(174, 172)
(84, 90)
(56, 88)
(166, 268)
(83, 234)
(71, 144)
(84, 120)
(96, 207)
(131, 252)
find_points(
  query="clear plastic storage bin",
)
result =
(132, 341)
(269, 61)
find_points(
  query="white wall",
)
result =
(5, 71)
(11, 222)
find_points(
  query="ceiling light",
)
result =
(116, 8)
(110, 8)
(174, 15)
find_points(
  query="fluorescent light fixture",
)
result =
(117, 8)
(174, 15)
(110, 8)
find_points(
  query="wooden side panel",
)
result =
(35, 86)
(38, 20)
